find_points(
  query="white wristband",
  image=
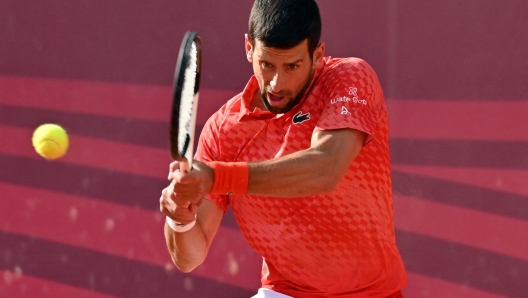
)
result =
(178, 227)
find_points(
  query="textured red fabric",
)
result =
(339, 244)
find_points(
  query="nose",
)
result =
(277, 83)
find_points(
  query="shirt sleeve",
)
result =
(209, 150)
(353, 99)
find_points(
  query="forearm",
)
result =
(187, 250)
(308, 172)
(300, 174)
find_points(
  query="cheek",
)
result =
(262, 78)
(301, 81)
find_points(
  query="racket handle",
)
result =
(185, 166)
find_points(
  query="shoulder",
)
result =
(208, 145)
(232, 106)
(351, 66)
(228, 110)
(343, 73)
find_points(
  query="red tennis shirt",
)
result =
(338, 244)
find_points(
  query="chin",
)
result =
(292, 102)
(278, 110)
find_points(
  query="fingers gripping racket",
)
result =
(185, 100)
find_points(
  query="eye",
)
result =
(265, 65)
(292, 66)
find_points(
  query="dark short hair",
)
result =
(284, 24)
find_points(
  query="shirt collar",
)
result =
(247, 95)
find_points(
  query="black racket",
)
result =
(185, 100)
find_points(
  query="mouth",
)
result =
(276, 100)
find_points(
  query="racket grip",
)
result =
(185, 166)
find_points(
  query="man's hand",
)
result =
(194, 185)
(177, 209)
(181, 199)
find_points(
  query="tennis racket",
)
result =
(185, 100)
(184, 108)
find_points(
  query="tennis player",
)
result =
(301, 155)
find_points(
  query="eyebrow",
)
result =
(288, 63)
(295, 62)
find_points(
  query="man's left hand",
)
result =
(192, 186)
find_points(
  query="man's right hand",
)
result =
(176, 206)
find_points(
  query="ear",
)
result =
(318, 54)
(249, 49)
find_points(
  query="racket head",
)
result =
(185, 97)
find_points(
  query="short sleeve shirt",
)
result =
(329, 245)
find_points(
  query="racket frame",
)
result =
(178, 84)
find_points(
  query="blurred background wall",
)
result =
(455, 75)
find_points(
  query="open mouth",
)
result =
(275, 99)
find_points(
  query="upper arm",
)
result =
(354, 100)
(350, 115)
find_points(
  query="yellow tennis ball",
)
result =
(50, 141)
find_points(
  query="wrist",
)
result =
(179, 227)
(230, 178)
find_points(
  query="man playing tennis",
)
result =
(302, 158)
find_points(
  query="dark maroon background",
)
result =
(455, 75)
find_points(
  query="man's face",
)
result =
(282, 75)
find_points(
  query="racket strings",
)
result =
(187, 102)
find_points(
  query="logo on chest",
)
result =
(300, 117)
